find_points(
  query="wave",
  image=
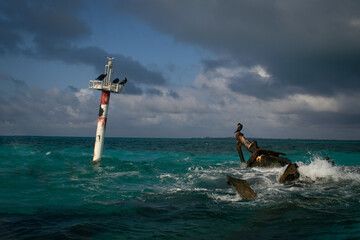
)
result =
(322, 170)
(316, 178)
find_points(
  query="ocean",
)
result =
(174, 189)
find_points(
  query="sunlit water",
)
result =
(174, 189)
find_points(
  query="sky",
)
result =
(195, 68)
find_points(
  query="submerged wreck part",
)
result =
(242, 187)
(241, 156)
(291, 173)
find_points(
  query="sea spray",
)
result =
(319, 169)
(322, 170)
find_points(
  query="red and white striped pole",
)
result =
(106, 85)
(101, 125)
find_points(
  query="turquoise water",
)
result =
(174, 189)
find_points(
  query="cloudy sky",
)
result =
(285, 69)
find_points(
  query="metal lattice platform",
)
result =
(105, 86)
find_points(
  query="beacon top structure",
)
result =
(104, 83)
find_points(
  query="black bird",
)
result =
(239, 127)
(101, 77)
(116, 80)
(123, 81)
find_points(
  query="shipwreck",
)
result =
(260, 158)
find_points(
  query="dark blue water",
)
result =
(174, 189)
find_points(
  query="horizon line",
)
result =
(207, 137)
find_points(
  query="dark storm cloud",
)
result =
(250, 84)
(330, 120)
(49, 30)
(248, 81)
(94, 56)
(309, 45)
(136, 72)
(309, 49)
(50, 22)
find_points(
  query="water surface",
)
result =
(174, 189)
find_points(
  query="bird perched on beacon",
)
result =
(116, 80)
(101, 77)
(123, 81)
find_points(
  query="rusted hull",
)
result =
(242, 187)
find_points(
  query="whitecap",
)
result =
(174, 190)
(225, 198)
(164, 176)
(187, 159)
(167, 175)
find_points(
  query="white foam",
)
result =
(225, 198)
(320, 169)
(174, 190)
(187, 159)
(211, 181)
(195, 169)
(268, 170)
(167, 175)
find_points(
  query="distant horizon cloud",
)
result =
(209, 108)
